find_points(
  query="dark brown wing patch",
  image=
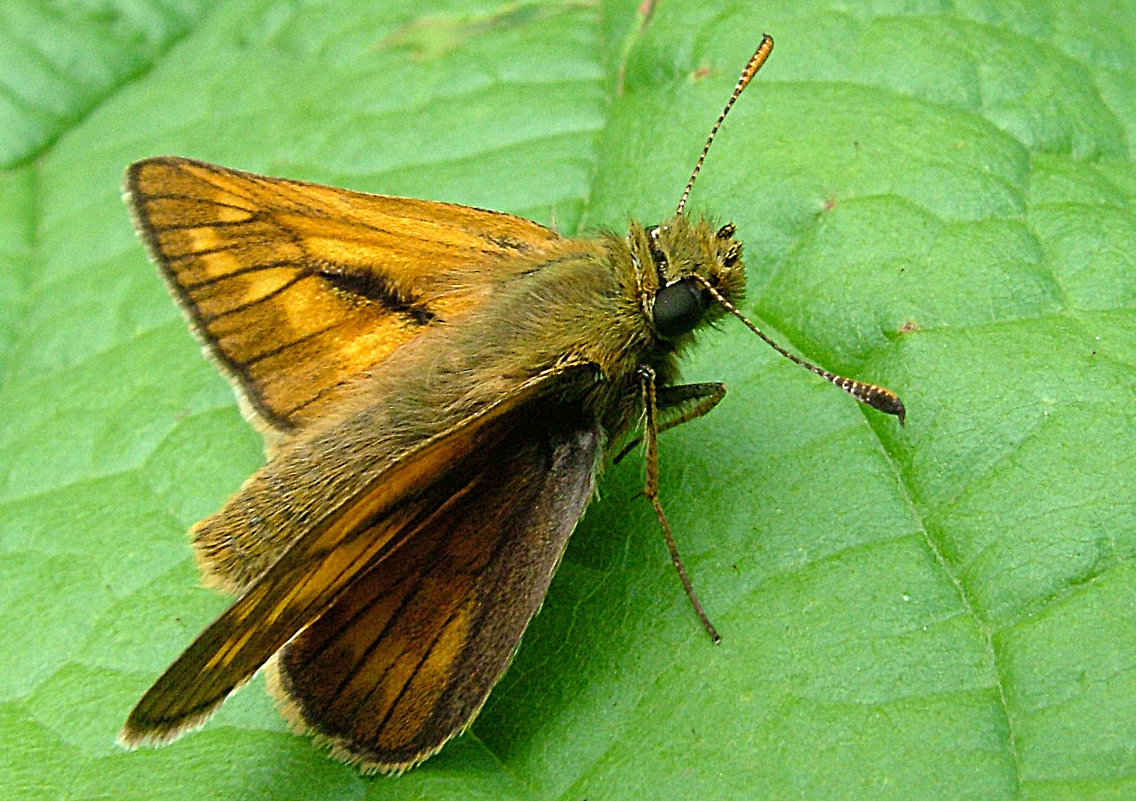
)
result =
(406, 657)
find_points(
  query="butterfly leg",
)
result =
(698, 399)
(651, 487)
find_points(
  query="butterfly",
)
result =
(438, 386)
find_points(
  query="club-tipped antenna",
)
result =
(873, 395)
(751, 68)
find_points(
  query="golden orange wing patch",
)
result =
(295, 288)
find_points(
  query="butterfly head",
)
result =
(695, 265)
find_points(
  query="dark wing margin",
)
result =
(406, 657)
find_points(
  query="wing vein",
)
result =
(291, 282)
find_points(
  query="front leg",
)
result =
(691, 400)
(694, 400)
(651, 429)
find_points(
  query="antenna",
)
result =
(751, 68)
(872, 395)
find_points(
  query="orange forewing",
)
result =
(402, 503)
(296, 288)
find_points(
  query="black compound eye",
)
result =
(678, 308)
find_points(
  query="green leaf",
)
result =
(939, 198)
